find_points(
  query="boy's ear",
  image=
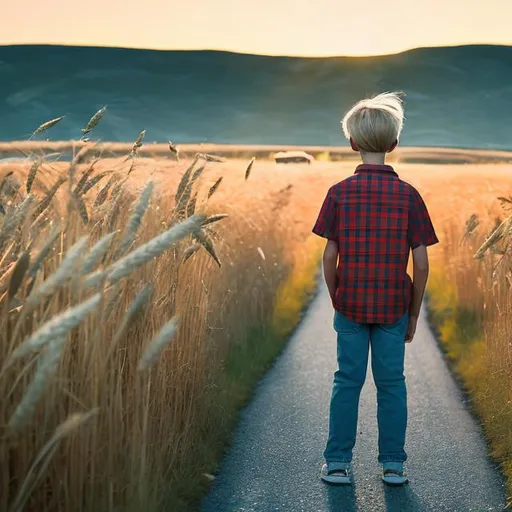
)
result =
(393, 146)
(353, 145)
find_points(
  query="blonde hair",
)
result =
(375, 124)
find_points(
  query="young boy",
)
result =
(371, 221)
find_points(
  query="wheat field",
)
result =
(136, 292)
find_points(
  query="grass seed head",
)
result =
(46, 126)
(214, 218)
(153, 248)
(495, 236)
(138, 141)
(214, 187)
(43, 253)
(136, 218)
(174, 150)
(249, 167)
(97, 251)
(47, 199)
(95, 119)
(64, 271)
(207, 243)
(48, 363)
(32, 174)
(190, 251)
(57, 327)
(158, 344)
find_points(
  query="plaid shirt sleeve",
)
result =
(326, 224)
(420, 229)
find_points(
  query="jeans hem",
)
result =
(382, 460)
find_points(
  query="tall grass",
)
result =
(131, 317)
(471, 301)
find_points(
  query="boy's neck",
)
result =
(373, 158)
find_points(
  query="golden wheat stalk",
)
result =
(96, 252)
(191, 206)
(93, 182)
(47, 199)
(249, 167)
(470, 227)
(43, 253)
(497, 234)
(174, 150)
(184, 199)
(207, 243)
(64, 271)
(85, 176)
(214, 187)
(131, 169)
(506, 203)
(43, 458)
(197, 174)
(32, 174)
(141, 299)
(153, 248)
(144, 253)
(80, 206)
(135, 219)
(77, 160)
(184, 180)
(94, 279)
(14, 219)
(46, 126)
(190, 251)
(5, 179)
(212, 158)
(115, 205)
(103, 193)
(138, 142)
(214, 218)
(55, 328)
(95, 119)
(158, 344)
(47, 364)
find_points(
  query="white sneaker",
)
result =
(393, 474)
(338, 474)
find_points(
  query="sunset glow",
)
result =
(282, 27)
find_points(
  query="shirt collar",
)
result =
(379, 168)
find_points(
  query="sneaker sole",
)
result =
(335, 481)
(395, 484)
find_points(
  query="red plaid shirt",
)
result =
(376, 218)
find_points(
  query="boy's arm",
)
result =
(421, 234)
(326, 226)
(420, 277)
(330, 261)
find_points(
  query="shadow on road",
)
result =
(400, 499)
(342, 498)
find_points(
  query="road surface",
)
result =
(274, 461)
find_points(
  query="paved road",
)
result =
(274, 462)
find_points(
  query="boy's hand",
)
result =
(411, 329)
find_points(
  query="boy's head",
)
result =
(374, 125)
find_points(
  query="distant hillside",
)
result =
(460, 97)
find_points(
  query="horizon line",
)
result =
(247, 53)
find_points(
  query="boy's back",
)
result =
(375, 218)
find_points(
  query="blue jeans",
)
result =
(388, 352)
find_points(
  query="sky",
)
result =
(270, 27)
